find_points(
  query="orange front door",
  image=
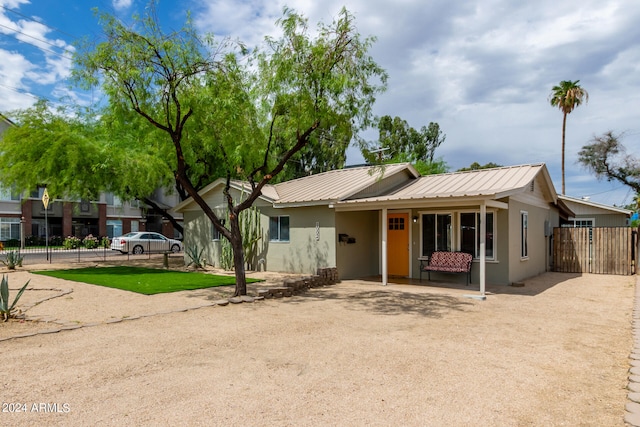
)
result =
(398, 244)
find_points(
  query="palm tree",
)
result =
(567, 96)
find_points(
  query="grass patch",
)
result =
(147, 281)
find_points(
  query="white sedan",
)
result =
(145, 241)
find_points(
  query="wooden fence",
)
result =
(599, 250)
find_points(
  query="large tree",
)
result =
(607, 158)
(399, 142)
(53, 147)
(253, 116)
(567, 96)
(78, 156)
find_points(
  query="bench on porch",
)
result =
(447, 262)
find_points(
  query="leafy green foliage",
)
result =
(191, 109)
(7, 309)
(71, 242)
(399, 142)
(62, 151)
(90, 242)
(567, 96)
(431, 168)
(477, 166)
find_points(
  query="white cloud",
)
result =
(482, 69)
(13, 89)
(13, 4)
(122, 4)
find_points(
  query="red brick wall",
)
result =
(67, 219)
(102, 219)
(27, 214)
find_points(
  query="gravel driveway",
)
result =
(554, 352)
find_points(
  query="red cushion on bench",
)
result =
(449, 261)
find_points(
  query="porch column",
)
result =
(483, 244)
(384, 246)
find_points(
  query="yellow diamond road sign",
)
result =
(45, 199)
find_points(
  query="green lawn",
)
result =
(146, 281)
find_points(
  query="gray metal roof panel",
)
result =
(485, 182)
(336, 184)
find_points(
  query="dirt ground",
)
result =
(554, 352)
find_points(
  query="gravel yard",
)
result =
(554, 352)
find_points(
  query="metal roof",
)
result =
(349, 186)
(589, 204)
(496, 182)
(338, 184)
(323, 188)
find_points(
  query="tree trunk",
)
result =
(564, 126)
(238, 255)
(164, 212)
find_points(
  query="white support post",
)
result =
(384, 247)
(483, 244)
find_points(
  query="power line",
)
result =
(42, 41)
(23, 92)
(39, 22)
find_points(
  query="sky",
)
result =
(483, 70)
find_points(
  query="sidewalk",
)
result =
(632, 414)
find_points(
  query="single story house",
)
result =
(384, 221)
(591, 214)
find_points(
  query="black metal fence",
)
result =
(49, 255)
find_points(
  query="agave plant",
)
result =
(197, 260)
(6, 310)
(13, 259)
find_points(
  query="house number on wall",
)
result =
(317, 231)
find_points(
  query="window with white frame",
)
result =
(582, 222)
(215, 234)
(436, 233)
(9, 229)
(113, 200)
(8, 194)
(524, 231)
(279, 228)
(470, 234)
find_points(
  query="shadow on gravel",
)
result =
(392, 302)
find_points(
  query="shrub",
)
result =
(56, 241)
(12, 243)
(90, 242)
(71, 242)
(105, 242)
(33, 241)
(6, 310)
